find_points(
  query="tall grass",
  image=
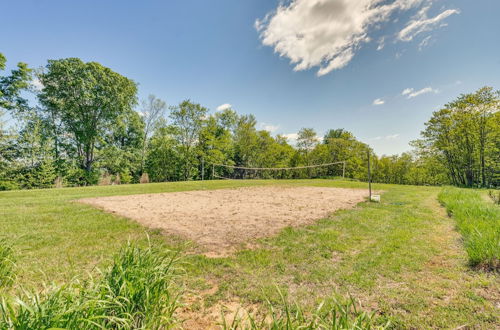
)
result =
(479, 224)
(136, 292)
(7, 263)
(337, 315)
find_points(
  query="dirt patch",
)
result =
(221, 221)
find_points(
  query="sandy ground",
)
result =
(221, 221)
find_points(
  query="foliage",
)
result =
(85, 125)
(136, 292)
(478, 222)
(89, 100)
(465, 137)
(11, 86)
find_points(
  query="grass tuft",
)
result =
(479, 224)
(7, 264)
(336, 315)
(134, 293)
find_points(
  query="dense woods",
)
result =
(87, 127)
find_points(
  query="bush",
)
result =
(125, 177)
(105, 179)
(144, 178)
(116, 179)
(136, 292)
(7, 263)
(478, 222)
(59, 182)
(8, 185)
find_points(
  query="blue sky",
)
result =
(347, 55)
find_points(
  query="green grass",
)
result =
(401, 258)
(7, 264)
(134, 293)
(479, 223)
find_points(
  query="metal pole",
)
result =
(202, 169)
(213, 172)
(369, 177)
(343, 170)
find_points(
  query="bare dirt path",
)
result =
(221, 221)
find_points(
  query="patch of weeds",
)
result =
(7, 264)
(479, 224)
(328, 315)
(136, 292)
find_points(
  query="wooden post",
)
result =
(369, 177)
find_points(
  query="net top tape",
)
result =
(277, 168)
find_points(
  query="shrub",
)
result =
(136, 292)
(116, 179)
(125, 177)
(7, 263)
(144, 178)
(8, 185)
(105, 179)
(478, 222)
(58, 182)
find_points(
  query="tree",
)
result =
(152, 111)
(464, 136)
(306, 141)
(188, 117)
(88, 98)
(12, 85)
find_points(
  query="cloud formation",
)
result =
(269, 127)
(411, 92)
(223, 107)
(378, 102)
(328, 33)
(421, 23)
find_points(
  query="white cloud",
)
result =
(421, 23)
(328, 33)
(37, 84)
(411, 93)
(223, 107)
(291, 136)
(424, 43)
(387, 137)
(378, 102)
(392, 137)
(269, 127)
(381, 43)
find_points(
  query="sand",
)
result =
(222, 221)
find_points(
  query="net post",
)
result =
(369, 177)
(202, 168)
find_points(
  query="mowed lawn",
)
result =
(401, 258)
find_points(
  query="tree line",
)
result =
(87, 127)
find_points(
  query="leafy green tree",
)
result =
(88, 98)
(12, 85)
(164, 162)
(188, 117)
(152, 111)
(307, 139)
(464, 136)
